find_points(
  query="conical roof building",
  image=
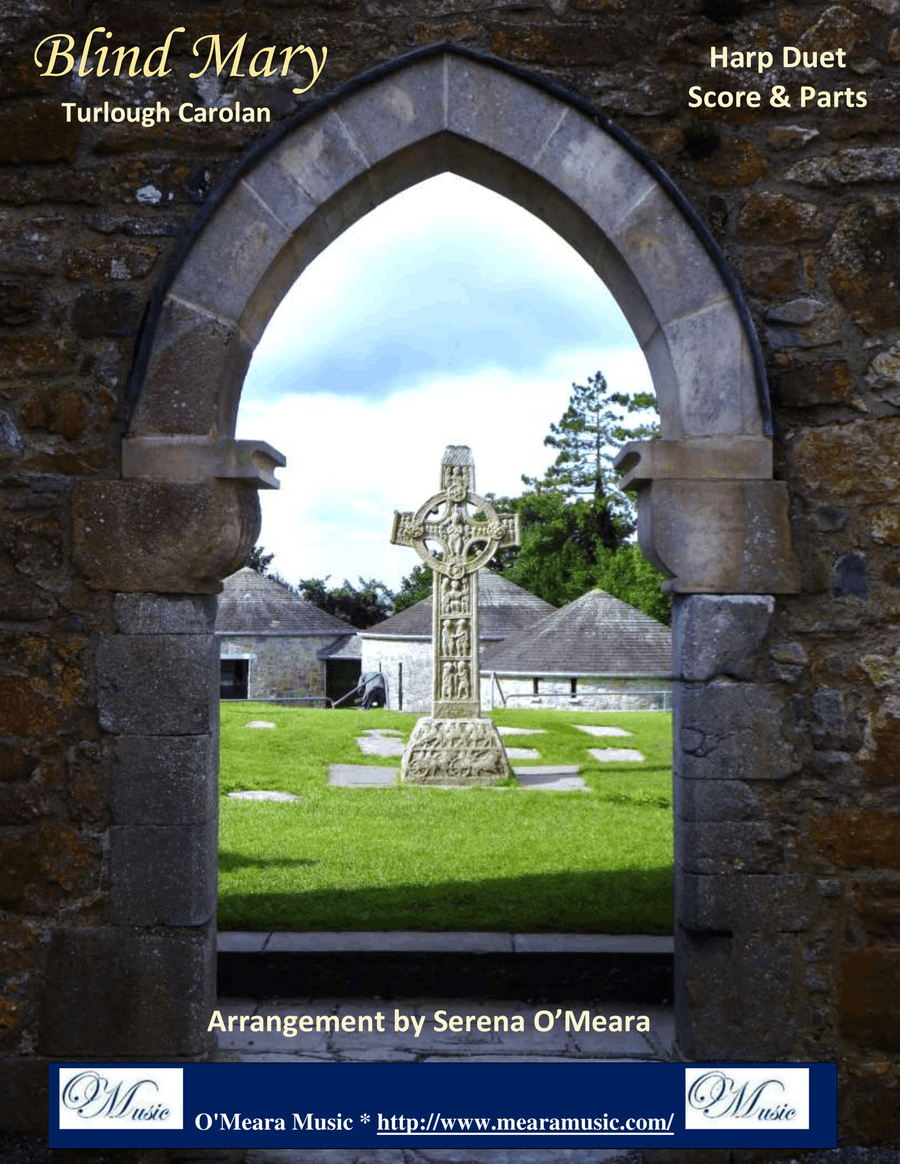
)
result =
(594, 653)
(252, 603)
(273, 644)
(596, 634)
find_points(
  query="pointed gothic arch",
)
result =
(185, 511)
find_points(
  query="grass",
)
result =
(414, 858)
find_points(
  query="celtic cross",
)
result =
(456, 544)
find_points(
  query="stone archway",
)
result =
(186, 511)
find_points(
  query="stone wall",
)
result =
(411, 688)
(789, 890)
(280, 666)
(592, 694)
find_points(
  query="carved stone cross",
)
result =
(456, 544)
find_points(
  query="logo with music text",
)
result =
(118, 1098)
(746, 1098)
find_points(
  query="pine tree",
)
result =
(587, 439)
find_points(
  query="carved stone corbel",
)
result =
(182, 517)
(710, 516)
(195, 458)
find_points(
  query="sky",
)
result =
(448, 315)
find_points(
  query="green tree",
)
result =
(417, 585)
(259, 560)
(575, 521)
(588, 438)
(626, 574)
(361, 606)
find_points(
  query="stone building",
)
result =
(595, 652)
(400, 647)
(753, 251)
(274, 644)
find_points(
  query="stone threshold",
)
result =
(439, 942)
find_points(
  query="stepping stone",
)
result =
(377, 745)
(360, 776)
(376, 732)
(562, 778)
(263, 795)
(600, 731)
(610, 755)
(514, 731)
(522, 753)
(259, 723)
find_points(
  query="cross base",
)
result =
(454, 751)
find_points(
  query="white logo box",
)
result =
(736, 1098)
(121, 1098)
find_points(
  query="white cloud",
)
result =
(354, 458)
(352, 463)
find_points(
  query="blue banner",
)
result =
(442, 1105)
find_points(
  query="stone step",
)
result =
(471, 964)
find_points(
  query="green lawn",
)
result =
(414, 858)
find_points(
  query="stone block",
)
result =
(152, 614)
(768, 216)
(35, 131)
(854, 461)
(592, 169)
(153, 536)
(719, 537)
(402, 108)
(869, 1001)
(856, 260)
(24, 1084)
(677, 275)
(319, 157)
(192, 380)
(195, 459)
(743, 902)
(724, 458)
(115, 312)
(708, 348)
(717, 800)
(47, 867)
(37, 355)
(719, 635)
(495, 110)
(732, 731)
(242, 235)
(162, 779)
(165, 684)
(162, 874)
(808, 385)
(119, 992)
(727, 847)
(858, 838)
(735, 997)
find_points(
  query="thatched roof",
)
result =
(251, 604)
(594, 635)
(503, 608)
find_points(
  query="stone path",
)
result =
(597, 730)
(380, 742)
(610, 755)
(263, 795)
(563, 778)
(361, 776)
(554, 778)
